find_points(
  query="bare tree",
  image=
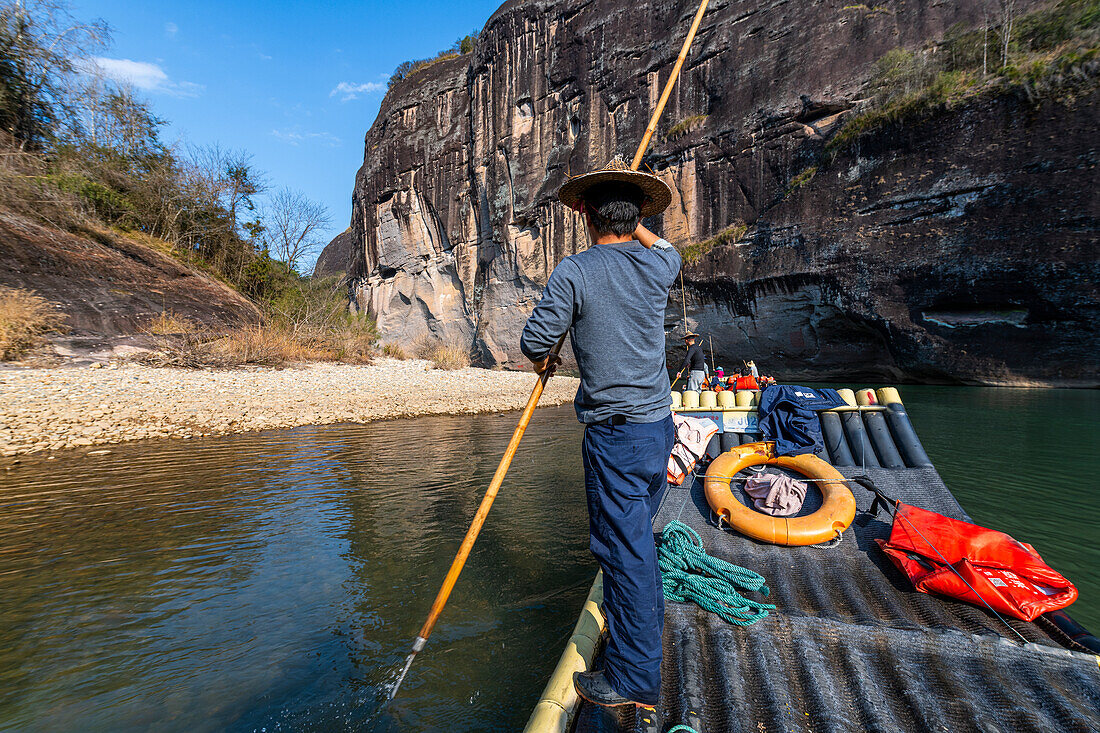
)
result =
(293, 226)
(230, 178)
(1007, 12)
(46, 51)
(985, 39)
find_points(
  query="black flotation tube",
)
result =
(905, 438)
(862, 452)
(888, 455)
(1073, 630)
(835, 443)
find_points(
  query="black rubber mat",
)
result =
(852, 647)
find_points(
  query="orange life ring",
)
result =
(837, 511)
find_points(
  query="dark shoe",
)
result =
(594, 687)
(647, 720)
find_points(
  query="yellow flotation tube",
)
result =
(835, 515)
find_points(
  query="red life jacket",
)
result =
(748, 382)
(1008, 575)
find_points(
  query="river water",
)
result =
(274, 581)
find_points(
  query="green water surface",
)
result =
(274, 581)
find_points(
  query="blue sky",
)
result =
(295, 84)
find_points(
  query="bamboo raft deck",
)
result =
(851, 646)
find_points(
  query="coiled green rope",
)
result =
(689, 574)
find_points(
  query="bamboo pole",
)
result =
(652, 127)
(683, 299)
(506, 461)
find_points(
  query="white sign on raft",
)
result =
(731, 422)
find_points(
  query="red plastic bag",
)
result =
(1010, 576)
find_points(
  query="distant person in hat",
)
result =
(611, 299)
(694, 363)
(752, 369)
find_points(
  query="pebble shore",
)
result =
(56, 409)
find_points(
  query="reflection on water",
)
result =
(274, 580)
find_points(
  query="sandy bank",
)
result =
(52, 409)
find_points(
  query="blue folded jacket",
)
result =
(788, 415)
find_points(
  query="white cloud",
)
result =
(294, 136)
(351, 91)
(170, 29)
(146, 76)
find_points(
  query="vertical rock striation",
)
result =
(957, 248)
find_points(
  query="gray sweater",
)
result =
(612, 299)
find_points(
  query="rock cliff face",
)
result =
(962, 247)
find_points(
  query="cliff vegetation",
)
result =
(406, 69)
(694, 252)
(1049, 52)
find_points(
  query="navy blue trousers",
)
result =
(624, 477)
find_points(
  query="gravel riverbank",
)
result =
(53, 409)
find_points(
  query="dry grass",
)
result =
(169, 323)
(394, 351)
(273, 346)
(24, 318)
(348, 345)
(448, 355)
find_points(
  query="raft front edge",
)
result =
(558, 703)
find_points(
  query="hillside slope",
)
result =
(957, 246)
(109, 285)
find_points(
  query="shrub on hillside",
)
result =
(685, 126)
(24, 318)
(694, 252)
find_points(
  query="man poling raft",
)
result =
(612, 200)
(611, 299)
(694, 363)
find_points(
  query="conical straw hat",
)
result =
(658, 194)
